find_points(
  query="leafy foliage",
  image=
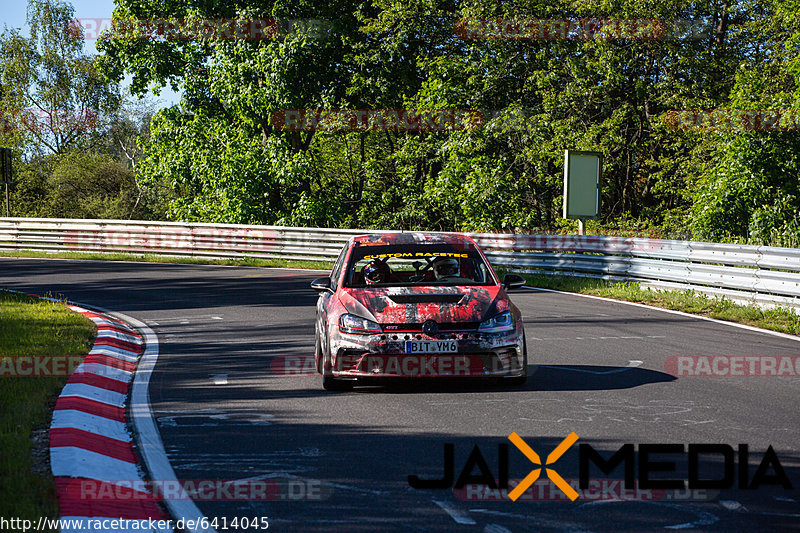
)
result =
(47, 78)
(218, 157)
(78, 185)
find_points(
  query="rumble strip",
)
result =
(89, 441)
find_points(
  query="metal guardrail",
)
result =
(761, 274)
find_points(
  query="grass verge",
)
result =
(782, 319)
(32, 327)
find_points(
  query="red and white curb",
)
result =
(91, 452)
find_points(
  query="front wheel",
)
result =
(330, 383)
(336, 385)
(317, 354)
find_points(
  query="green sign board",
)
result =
(582, 171)
(5, 173)
(5, 165)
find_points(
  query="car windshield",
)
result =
(416, 265)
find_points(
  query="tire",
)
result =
(330, 383)
(317, 354)
(336, 385)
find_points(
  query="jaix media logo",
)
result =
(533, 457)
(657, 466)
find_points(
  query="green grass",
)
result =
(29, 326)
(781, 319)
(154, 258)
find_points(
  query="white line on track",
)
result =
(295, 476)
(357, 489)
(537, 520)
(152, 448)
(680, 313)
(455, 513)
(732, 505)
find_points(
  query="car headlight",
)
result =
(357, 325)
(502, 322)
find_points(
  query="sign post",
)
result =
(5, 172)
(582, 173)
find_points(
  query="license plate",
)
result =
(431, 347)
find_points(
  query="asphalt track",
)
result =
(341, 461)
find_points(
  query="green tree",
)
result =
(750, 187)
(219, 150)
(226, 162)
(60, 101)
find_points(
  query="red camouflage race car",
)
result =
(416, 305)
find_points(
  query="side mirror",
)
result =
(321, 284)
(513, 281)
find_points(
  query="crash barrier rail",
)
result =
(762, 274)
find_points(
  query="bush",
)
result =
(78, 185)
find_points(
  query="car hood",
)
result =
(414, 305)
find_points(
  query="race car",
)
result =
(416, 305)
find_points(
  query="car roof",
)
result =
(413, 237)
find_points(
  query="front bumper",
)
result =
(384, 355)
